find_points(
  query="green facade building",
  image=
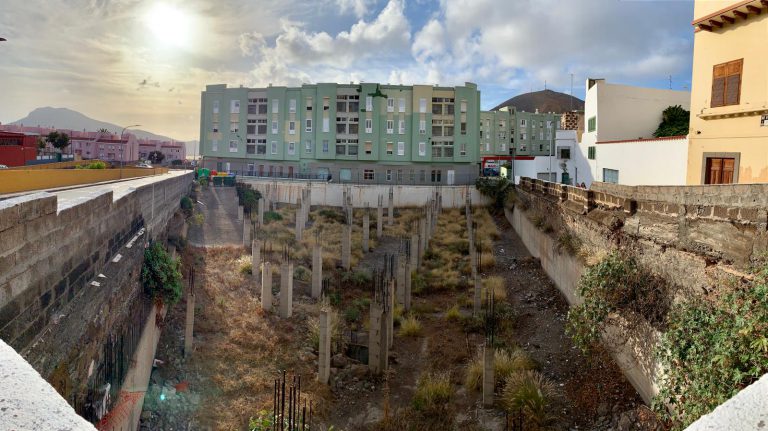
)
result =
(366, 133)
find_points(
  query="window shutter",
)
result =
(732, 89)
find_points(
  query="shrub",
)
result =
(432, 391)
(397, 314)
(357, 278)
(496, 285)
(568, 242)
(244, 265)
(178, 242)
(302, 273)
(496, 188)
(197, 219)
(337, 332)
(529, 393)
(270, 216)
(332, 215)
(352, 314)
(186, 206)
(410, 327)
(504, 365)
(418, 284)
(453, 313)
(161, 275)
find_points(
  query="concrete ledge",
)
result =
(746, 411)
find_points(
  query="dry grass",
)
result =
(534, 395)
(505, 363)
(453, 313)
(410, 327)
(244, 265)
(496, 285)
(487, 260)
(337, 331)
(432, 391)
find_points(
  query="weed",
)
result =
(356, 278)
(432, 391)
(302, 273)
(337, 332)
(332, 215)
(397, 314)
(410, 327)
(569, 243)
(453, 313)
(531, 394)
(244, 265)
(496, 285)
(352, 314)
(505, 363)
(271, 216)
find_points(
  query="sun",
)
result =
(169, 25)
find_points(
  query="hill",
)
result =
(544, 101)
(63, 118)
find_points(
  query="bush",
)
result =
(178, 242)
(93, 165)
(356, 278)
(432, 391)
(302, 273)
(337, 333)
(270, 216)
(245, 265)
(161, 275)
(504, 365)
(496, 285)
(410, 327)
(496, 188)
(568, 243)
(352, 314)
(530, 393)
(332, 215)
(453, 313)
(186, 206)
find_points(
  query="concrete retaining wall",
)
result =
(331, 194)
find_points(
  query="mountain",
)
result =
(544, 101)
(63, 118)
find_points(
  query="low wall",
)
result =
(331, 194)
(21, 180)
(57, 165)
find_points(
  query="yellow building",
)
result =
(729, 94)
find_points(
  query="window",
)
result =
(261, 146)
(214, 145)
(309, 103)
(369, 103)
(291, 148)
(591, 152)
(522, 122)
(422, 127)
(274, 147)
(390, 125)
(368, 174)
(368, 147)
(345, 174)
(437, 109)
(274, 127)
(326, 125)
(341, 106)
(463, 149)
(234, 106)
(401, 103)
(263, 107)
(592, 124)
(719, 170)
(389, 148)
(326, 104)
(401, 127)
(291, 127)
(564, 153)
(325, 145)
(401, 148)
(354, 106)
(463, 128)
(390, 105)
(215, 106)
(423, 105)
(610, 176)
(726, 84)
(251, 130)
(389, 174)
(261, 127)
(341, 128)
(308, 146)
(463, 106)
(308, 125)
(368, 125)
(232, 146)
(341, 150)
(422, 149)
(523, 136)
(250, 149)
(292, 106)
(436, 175)
(422, 176)
(234, 127)
(275, 105)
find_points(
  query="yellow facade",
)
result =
(732, 135)
(14, 181)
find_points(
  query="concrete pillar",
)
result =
(366, 230)
(240, 210)
(266, 287)
(380, 219)
(390, 315)
(256, 259)
(246, 233)
(422, 237)
(489, 383)
(400, 284)
(261, 211)
(413, 251)
(286, 290)
(324, 358)
(391, 207)
(374, 339)
(189, 324)
(299, 223)
(407, 294)
(317, 271)
(477, 302)
(346, 246)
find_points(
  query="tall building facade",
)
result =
(729, 93)
(358, 132)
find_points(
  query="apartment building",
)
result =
(363, 132)
(729, 93)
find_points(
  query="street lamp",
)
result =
(122, 149)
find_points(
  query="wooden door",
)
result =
(719, 170)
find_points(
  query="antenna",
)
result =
(571, 92)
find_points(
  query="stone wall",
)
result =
(69, 276)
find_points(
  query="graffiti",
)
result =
(121, 411)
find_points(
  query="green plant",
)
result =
(617, 284)
(505, 363)
(271, 216)
(532, 395)
(156, 156)
(161, 275)
(338, 344)
(410, 327)
(674, 122)
(357, 278)
(58, 140)
(712, 349)
(568, 242)
(332, 215)
(352, 314)
(244, 265)
(186, 206)
(453, 313)
(197, 219)
(179, 242)
(418, 283)
(496, 188)
(432, 391)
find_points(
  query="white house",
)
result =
(565, 165)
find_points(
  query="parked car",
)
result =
(143, 165)
(3, 167)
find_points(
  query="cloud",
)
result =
(358, 7)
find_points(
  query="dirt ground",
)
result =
(240, 350)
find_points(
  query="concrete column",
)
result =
(261, 211)
(477, 302)
(189, 324)
(472, 252)
(390, 315)
(246, 233)
(422, 237)
(324, 358)
(407, 294)
(489, 382)
(366, 230)
(414, 251)
(380, 219)
(400, 284)
(266, 287)
(346, 246)
(299, 222)
(374, 339)
(391, 207)
(256, 259)
(240, 210)
(286, 290)
(317, 271)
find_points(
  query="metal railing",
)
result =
(361, 178)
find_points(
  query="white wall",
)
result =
(577, 166)
(649, 162)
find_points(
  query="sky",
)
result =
(147, 61)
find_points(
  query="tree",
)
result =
(156, 157)
(674, 122)
(59, 140)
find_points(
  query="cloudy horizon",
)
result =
(146, 62)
